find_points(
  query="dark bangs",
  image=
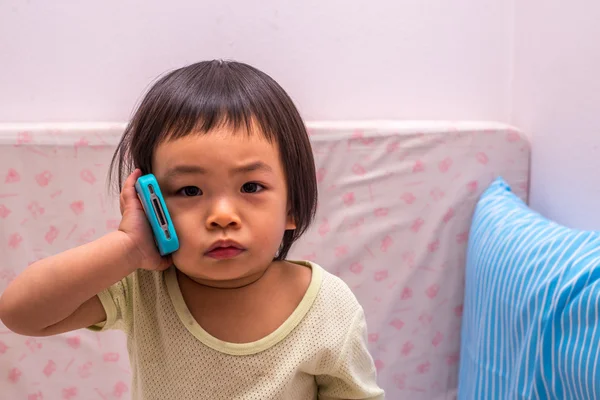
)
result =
(198, 98)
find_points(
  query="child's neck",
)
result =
(251, 312)
(232, 291)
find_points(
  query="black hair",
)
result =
(209, 94)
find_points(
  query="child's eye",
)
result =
(252, 187)
(190, 191)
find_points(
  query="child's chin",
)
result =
(216, 274)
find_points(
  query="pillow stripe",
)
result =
(531, 309)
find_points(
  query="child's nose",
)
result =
(223, 215)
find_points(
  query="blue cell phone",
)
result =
(156, 210)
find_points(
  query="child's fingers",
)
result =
(132, 178)
(166, 262)
(128, 192)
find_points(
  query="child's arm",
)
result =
(58, 294)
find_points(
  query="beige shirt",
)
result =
(319, 352)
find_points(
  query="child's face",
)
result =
(224, 185)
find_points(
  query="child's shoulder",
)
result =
(143, 281)
(333, 295)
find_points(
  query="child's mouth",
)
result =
(223, 253)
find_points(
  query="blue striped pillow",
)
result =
(531, 322)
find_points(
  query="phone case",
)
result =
(157, 213)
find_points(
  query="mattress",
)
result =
(396, 201)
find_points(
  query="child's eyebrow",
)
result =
(184, 169)
(253, 166)
(196, 169)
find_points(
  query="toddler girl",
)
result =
(227, 316)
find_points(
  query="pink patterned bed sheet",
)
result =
(396, 200)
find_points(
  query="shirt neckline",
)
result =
(190, 323)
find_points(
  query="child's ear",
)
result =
(290, 223)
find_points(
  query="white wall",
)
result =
(533, 63)
(556, 98)
(78, 60)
